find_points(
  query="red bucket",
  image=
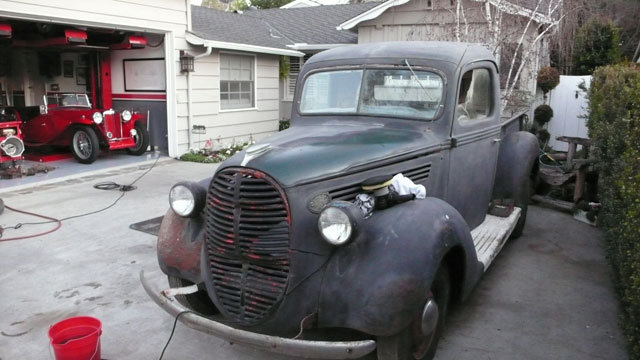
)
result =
(76, 338)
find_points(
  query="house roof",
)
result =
(277, 29)
(515, 7)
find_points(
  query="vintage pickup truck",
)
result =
(272, 252)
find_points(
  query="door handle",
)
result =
(497, 140)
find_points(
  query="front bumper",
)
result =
(275, 344)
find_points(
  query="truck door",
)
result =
(475, 142)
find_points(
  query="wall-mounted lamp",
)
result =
(186, 61)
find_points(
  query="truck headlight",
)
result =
(97, 118)
(187, 198)
(126, 115)
(339, 222)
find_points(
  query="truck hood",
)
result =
(307, 153)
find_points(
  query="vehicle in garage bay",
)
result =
(69, 119)
(11, 144)
(275, 251)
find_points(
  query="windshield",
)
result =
(401, 93)
(68, 100)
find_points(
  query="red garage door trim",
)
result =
(153, 97)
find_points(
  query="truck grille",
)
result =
(247, 236)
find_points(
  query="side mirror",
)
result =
(43, 110)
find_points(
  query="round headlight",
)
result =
(97, 118)
(335, 225)
(126, 115)
(182, 200)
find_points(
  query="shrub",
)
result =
(542, 114)
(548, 78)
(595, 44)
(614, 127)
(284, 124)
(214, 156)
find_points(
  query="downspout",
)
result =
(189, 102)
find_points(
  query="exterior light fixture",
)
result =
(186, 62)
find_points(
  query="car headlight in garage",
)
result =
(187, 198)
(8, 132)
(126, 115)
(97, 118)
(338, 223)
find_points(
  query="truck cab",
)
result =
(278, 250)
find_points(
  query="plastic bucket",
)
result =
(76, 338)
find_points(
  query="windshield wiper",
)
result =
(418, 80)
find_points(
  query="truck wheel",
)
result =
(523, 204)
(84, 145)
(199, 301)
(411, 343)
(142, 141)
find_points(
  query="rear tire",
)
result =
(85, 145)
(410, 343)
(198, 302)
(142, 141)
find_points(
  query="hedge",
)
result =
(614, 127)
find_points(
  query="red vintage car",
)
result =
(11, 145)
(70, 120)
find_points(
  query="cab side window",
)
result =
(475, 96)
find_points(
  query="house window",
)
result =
(429, 4)
(236, 82)
(475, 95)
(294, 69)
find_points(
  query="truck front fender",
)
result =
(518, 151)
(180, 244)
(380, 281)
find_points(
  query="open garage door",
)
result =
(57, 79)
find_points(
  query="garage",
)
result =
(60, 65)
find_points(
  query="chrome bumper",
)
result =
(285, 346)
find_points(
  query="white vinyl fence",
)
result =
(569, 106)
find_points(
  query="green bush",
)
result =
(548, 78)
(614, 127)
(542, 114)
(595, 44)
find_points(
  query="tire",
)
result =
(199, 301)
(523, 204)
(410, 343)
(85, 145)
(142, 141)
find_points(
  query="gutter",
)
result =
(189, 93)
(194, 39)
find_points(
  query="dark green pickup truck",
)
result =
(278, 250)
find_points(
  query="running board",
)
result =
(490, 236)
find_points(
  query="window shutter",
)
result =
(294, 70)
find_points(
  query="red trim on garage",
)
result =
(139, 97)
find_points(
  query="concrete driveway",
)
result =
(546, 296)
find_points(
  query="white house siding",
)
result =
(168, 17)
(226, 126)
(415, 21)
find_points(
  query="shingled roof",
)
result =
(278, 28)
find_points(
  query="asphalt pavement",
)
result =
(548, 295)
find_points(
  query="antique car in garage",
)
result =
(309, 244)
(69, 120)
(11, 145)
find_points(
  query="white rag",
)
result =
(403, 185)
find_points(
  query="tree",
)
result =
(268, 4)
(596, 44)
